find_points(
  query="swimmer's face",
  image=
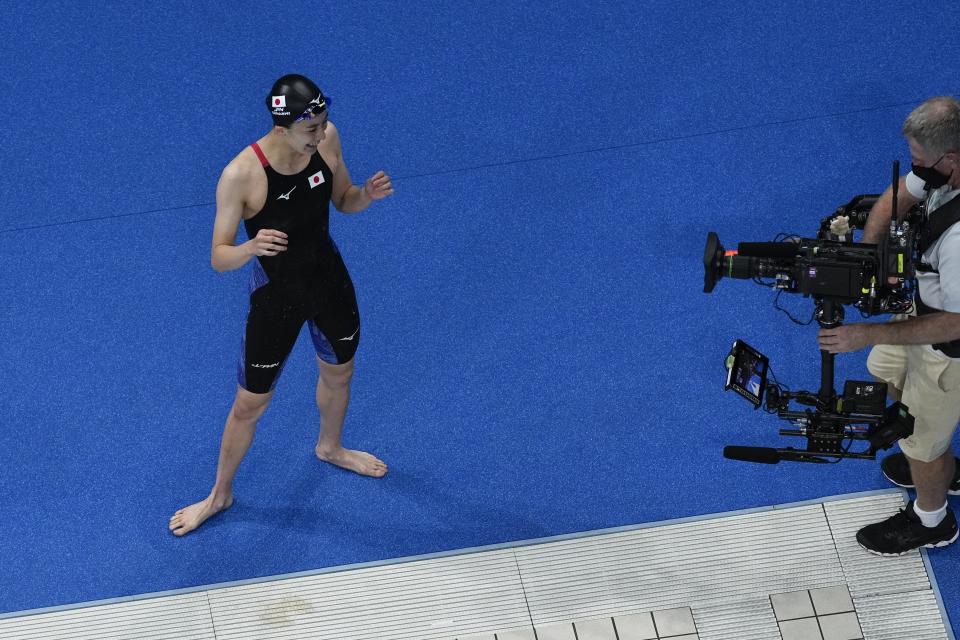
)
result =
(306, 134)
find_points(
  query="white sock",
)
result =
(931, 519)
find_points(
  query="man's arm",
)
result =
(225, 254)
(933, 328)
(929, 329)
(348, 197)
(879, 219)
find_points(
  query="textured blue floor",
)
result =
(537, 355)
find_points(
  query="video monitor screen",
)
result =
(747, 372)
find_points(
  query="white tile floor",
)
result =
(670, 624)
(784, 573)
(818, 614)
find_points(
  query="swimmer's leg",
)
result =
(333, 397)
(237, 436)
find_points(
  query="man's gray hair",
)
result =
(935, 125)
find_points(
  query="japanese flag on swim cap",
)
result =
(290, 96)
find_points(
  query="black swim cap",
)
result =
(290, 98)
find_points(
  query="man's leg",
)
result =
(897, 467)
(926, 522)
(932, 479)
(333, 397)
(931, 393)
(888, 364)
(237, 436)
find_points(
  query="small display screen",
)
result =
(747, 372)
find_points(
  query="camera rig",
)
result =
(834, 271)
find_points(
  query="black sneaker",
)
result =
(904, 532)
(897, 470)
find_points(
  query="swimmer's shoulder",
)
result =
(243, 180)
(243, 172)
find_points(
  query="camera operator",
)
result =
(918, 356)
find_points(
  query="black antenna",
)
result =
(896, 185)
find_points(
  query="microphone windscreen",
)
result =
(762, 455)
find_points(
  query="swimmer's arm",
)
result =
(225, 254)
(346, 196)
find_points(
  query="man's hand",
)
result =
(845, 338)
(268, 242)
(378, 187)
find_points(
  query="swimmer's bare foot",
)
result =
(189, 518)
(357, 461)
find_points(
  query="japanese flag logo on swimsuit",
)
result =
(316, 179)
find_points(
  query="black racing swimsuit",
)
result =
(306, 283)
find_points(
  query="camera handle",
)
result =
(828, 314)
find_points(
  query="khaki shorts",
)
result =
(930, 382)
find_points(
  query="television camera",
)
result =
(835, 272)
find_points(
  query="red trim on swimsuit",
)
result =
(259, 152)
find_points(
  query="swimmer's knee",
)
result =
(250, 406)
(335, 375)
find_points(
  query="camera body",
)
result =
(834, 271)
(874, 278)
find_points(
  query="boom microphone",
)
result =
(766, 455)
(763, 455)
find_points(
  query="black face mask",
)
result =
(933, 178)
